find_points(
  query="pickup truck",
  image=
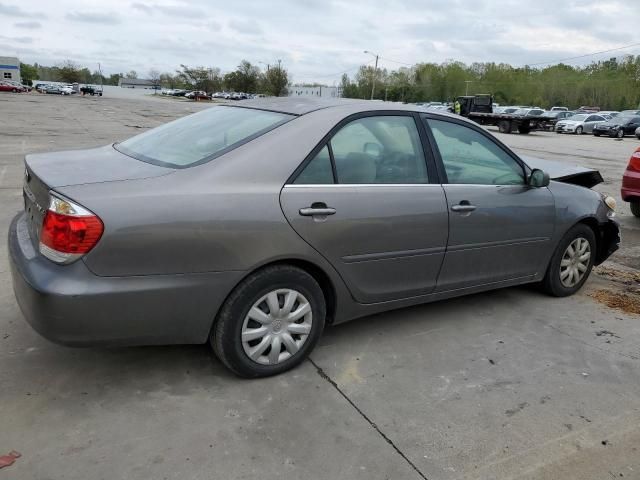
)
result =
(91, 90)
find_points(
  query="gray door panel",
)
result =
(506, 236)
(386, 241)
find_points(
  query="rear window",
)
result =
(201, 137)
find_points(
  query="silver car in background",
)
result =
(254, 226)
(581, 123)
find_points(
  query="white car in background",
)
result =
(66, 89)
(580, 123)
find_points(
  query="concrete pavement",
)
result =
(509, 384)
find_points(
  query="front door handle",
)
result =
(318, 208)
(463, 207)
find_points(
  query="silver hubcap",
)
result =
(575, 262)
(276, 326)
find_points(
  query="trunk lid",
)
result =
(96, 165)
(566, 172)
(48, 171)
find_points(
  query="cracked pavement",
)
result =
(509, 384)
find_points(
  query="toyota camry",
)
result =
(253, 226)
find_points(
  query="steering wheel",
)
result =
(501, 178)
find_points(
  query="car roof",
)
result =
(302, 106)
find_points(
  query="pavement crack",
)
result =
(327, 378)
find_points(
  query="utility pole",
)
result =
(467, 89)
(375, 73)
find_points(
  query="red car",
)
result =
(8, 87)
(631, 183)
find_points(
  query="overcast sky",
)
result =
(316, 40)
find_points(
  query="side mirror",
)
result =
(539, 178)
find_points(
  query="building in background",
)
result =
(320, 91)
(137, 83)
(10, 69)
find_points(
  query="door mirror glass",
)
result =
(539, 178)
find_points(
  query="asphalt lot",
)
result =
(509, 384)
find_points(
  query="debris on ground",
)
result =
(601, 333)
(621, 276)
(622, 301)
(9, 459)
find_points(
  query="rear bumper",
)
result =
(68, 304)
(630, 186)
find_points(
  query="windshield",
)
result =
(200, 137)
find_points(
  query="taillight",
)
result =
(68, 231)
(634, 161)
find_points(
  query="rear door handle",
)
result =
(318, 208)
(463, 207)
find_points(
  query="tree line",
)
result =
(612, 84)
(247, 77)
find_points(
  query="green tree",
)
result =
(132, 74)
(276, 81)
(69, 72)
(28, 73)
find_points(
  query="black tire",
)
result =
(579, 130)
(620, 133)
(15, 90)
(635, 207)
(638, 137)
(524, 130)
(226, 333)
(551, 283)
(596, 134)
(504, 126)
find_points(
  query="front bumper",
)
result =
(70, 305)
(565, 128)
(608, 241)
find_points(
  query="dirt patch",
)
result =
(626, 302)
(621, 276)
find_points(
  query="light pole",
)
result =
(467, 89)
(375, 73)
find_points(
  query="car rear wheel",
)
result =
(635, 207)
(270, 322)
(571, 263)
(579, 131)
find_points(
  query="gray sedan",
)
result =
(253, 226)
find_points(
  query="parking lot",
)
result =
(509, 384)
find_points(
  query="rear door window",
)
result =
(379, 149)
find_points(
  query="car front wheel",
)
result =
(620, 133)
(571, 263)
(270, 322)
(635, 207)
(579, 131)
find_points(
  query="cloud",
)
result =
(248, 27)
(14, 11)
(317, 40)
(30, 25)
(17, 39)
(182, 11)
(143, 7)
(94, 17)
